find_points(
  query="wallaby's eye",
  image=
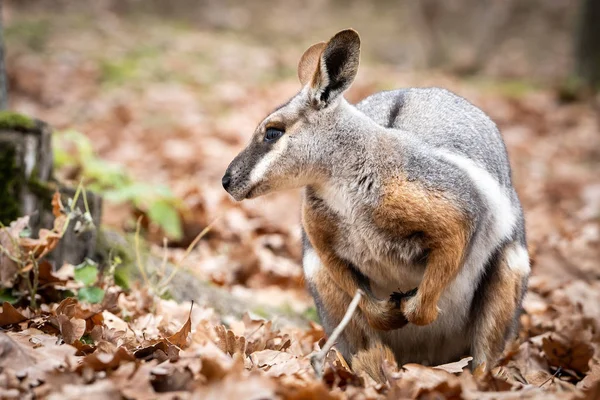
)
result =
(272, 134)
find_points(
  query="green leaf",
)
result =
(86, 272)
(25, 233)
(163, 214)
(122, 277)
(87, 339)
(6, 296)
(91, 294)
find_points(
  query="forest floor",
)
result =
(172, 106)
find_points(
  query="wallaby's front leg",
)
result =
(383, 314)
(408, 208)
(442, 267)
(320, 228)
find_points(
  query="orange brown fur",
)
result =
(407, 208)
(370, 352)
(371, 360)
(336, 302)
(502, 297)
(321, 229)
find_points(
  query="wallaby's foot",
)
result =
(371, 362)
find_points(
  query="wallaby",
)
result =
(407, 196)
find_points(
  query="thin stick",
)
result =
(188, 251)
(138, 256)
(318, 359)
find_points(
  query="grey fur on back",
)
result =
(443, 120)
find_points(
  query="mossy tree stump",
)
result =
(27, 185)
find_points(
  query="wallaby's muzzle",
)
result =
(237, 180)
(226, 181)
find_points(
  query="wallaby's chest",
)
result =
(391, 263)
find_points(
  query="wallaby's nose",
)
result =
(226, 181)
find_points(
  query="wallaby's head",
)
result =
(288, 147)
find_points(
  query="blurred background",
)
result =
(152, 99)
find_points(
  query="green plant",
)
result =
(157, 279)
(86, 273)
(156, 202)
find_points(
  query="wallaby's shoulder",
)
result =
(443, 121)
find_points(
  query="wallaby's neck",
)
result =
(348, 155)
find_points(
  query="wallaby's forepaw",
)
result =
(388, 315)
(418, 312)
(398, 297)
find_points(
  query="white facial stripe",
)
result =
(517, 259)
(261, 168)
(310, 263)
(498, 202)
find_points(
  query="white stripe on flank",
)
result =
(310, 263)
(499, 204)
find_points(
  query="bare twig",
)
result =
(138, 256)
(318, 359)
(189, 249)
(558, 371)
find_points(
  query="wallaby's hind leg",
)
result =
(497, 303)
(371, 360)
(359, 343)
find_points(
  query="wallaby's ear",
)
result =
(338, 66)
(309, 62)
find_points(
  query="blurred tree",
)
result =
(587, 46)
(3, 91)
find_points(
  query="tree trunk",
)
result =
(27, 186)
(587, 46)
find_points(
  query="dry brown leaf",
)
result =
(73, 309)
(278, 363)
(99, 390)
(229, 343)
(591, 379)
(238, 385)
(46, 276)
(71, 329)
(47, 350)
(568, 354)
(133, 380)
(306, 390)
(12, 355)
(180, 338)
(105, 362)
(418, 381)
(9, 239)
(10, 315)
(161, 350)
(44, 244)
(169, 378)
(455, 367)
(57, 207)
